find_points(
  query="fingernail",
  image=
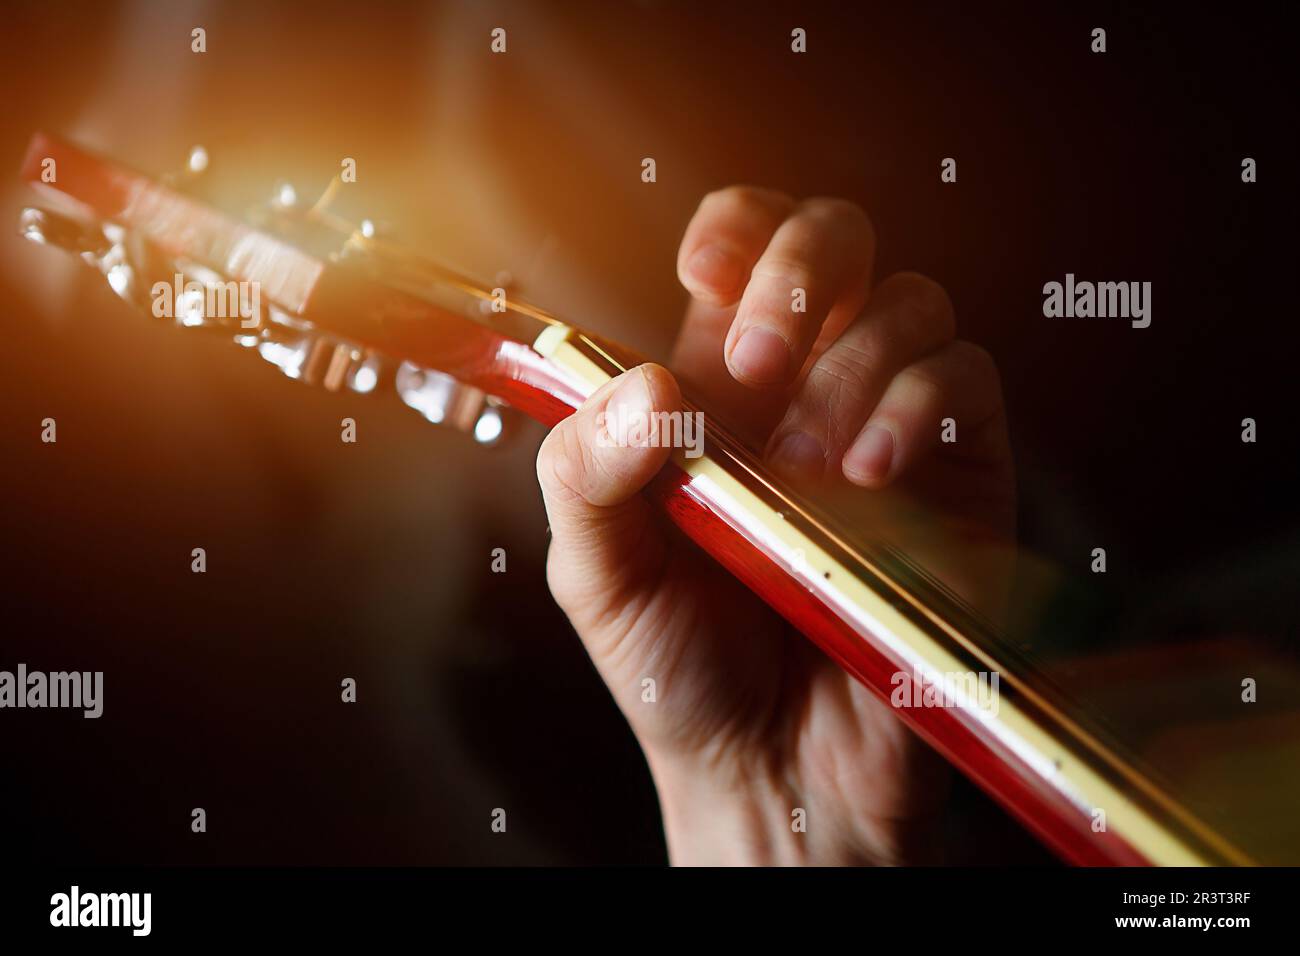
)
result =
(714, 269)
(871, 455)
(627, 412)
(799, 457)
(761, 357)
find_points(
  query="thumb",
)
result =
(591, 467)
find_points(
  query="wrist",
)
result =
(726, 816)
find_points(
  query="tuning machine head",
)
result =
(100, 245)
(198, 296)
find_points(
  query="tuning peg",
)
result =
(187, 178)
(51, 228)
(358, 240)
(284, 196)
(444, 400)
(307, 356)
(197, 163)
(130, 264)
(490, 426)
(102, 245)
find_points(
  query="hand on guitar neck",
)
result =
(762, 749)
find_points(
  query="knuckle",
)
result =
(982, 375)
(928, 299)
(837, 208)
(842, 377)
(555, 462)
(744, 197)
(547, 454)
(786, 272)
(544, 453)
(979, 361)
(928, 385)
(556, 579)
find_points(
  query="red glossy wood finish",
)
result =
(999, 773)
(348, 303)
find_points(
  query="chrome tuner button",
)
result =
(439, 397)
(444, 400)
(366, 374)
(286, 352)
(284, 196)
(491, 425)
(307, 356)
(50, 228)
(329, 363)
(197, 162)
(187, 178)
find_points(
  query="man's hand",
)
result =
(847, 397)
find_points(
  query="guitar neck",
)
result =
(887, 622)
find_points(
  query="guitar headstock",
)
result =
(328, 302)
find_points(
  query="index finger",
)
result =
(726, 236)
(818, 264)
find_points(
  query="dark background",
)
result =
(372, 560)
